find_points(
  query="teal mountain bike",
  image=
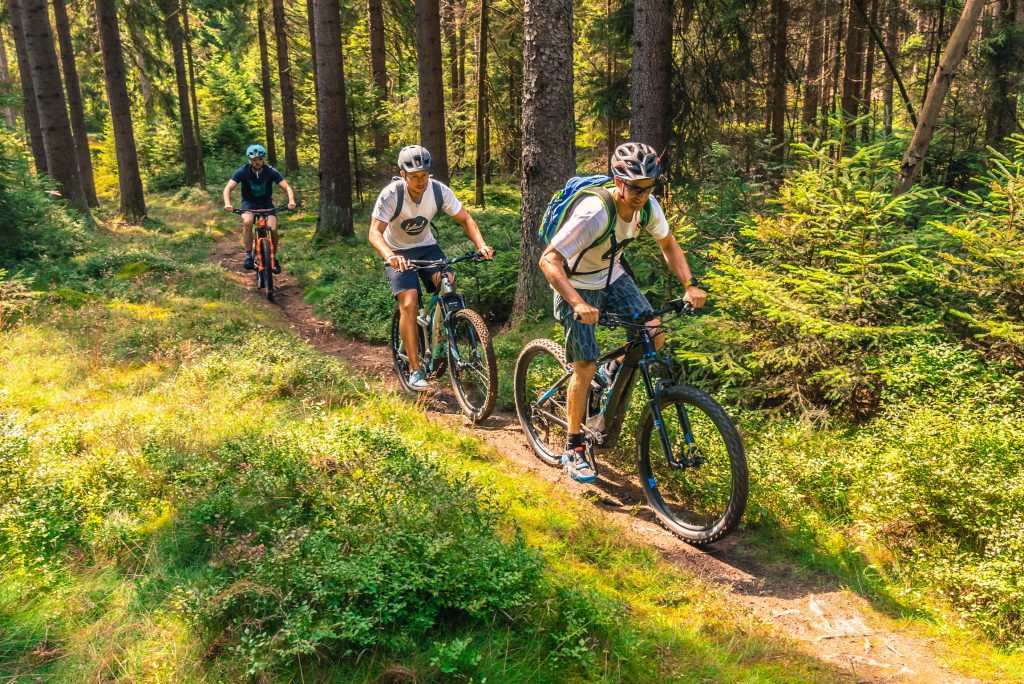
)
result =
(689, 455)
(451, 337)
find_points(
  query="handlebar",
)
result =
(283, 207)
(640, 318)
(417, 264)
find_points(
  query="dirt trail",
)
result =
(827, 621)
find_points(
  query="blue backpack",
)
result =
(565, 200)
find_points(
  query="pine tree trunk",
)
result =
(652, 69)
(869, 75)
(5, 82)
(812, 70)
(284, 71)
(1004, 71)
(777, 93)
(910, 167)
(480, 165)
(133, 202)
(61, 157)
(549, 151)
(891, 37)
(379, 67)
(853, 66)
(73, 89)
(310, 15)
(431, 81)
(30, 111)
(266, 91)
(449, 27)
(835, 54)
(192, 93)
(335, 218)
(172, 26)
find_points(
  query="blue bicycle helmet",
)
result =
(255, 151)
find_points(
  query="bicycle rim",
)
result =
(702, 503)
(472, 365)
(540, 396)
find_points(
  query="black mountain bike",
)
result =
(263, 248)
(689, 454)
(453, 337)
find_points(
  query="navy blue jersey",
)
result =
(257, 188)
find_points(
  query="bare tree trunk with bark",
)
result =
(335, 218)
(652, 69)
(73, 89)
(190, 153)
(891, 38)
(284, 73)
(777, 91)
(266, 91)
(192, 92)
(869, 75)
(431, 91)
(61, 157)
(133, 202)
(853, 66)
(910, 167)
(379, 67)
(812, 70)
(480, 167)
(30, 111)
(549, 150)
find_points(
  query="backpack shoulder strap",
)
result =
(399, 202)
(438, 195)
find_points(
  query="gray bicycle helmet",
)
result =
(414, 158)
(635, 161)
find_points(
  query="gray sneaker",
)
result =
(575, 462)
(418, 380)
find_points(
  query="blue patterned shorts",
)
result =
(621, 297)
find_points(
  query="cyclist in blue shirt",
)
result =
(257, 180)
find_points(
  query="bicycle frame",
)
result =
(450, 302)
(605, 427)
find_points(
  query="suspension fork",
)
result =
(653, 394)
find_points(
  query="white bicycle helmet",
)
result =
(635, 161)
(414, 158)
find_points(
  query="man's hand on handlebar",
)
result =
(585, 313)
(291, 204)
(486, 252)
(695, 296)
(228, 208)
(397, 262)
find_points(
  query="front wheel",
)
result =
(698, 489)
(266, 267)
(541, 380)
(472, 365)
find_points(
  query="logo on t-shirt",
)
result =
(258, 189)
(415, 225)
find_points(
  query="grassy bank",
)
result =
(189, 493)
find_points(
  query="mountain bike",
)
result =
(263, 248)
(689, 455)
(453, 337)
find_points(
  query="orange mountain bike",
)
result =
(263, 248)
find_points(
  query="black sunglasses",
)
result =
(637, 190)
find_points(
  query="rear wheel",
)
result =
(703, 501)
(541, 380)
(473, 367)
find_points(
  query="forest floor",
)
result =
(826, 620)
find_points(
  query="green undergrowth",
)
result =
(190, 493)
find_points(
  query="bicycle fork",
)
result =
(692, 458)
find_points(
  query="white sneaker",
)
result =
(418, 380)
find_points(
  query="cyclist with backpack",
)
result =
(586, 226)
(257, 180)
(400, 231)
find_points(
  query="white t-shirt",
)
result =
(411, 228)
(585, 225)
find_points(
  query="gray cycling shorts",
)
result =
(621, 297)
